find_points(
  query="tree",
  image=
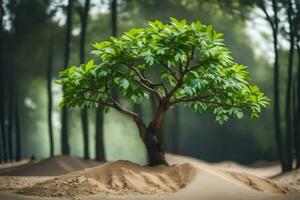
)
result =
(196, 70)
(84, 111)
(2, 147)
(64, 118)
(288, 103)
(49, 93)
(18, 129)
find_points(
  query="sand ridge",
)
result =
(262, 184)
(116, 178)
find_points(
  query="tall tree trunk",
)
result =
(64, 118)
(276, 89)
(113, 10)
(288, 118)
(10, 115)
(176, 132)
(18, 130)
(114, 17)
(99, 144)
(2, 128)
(294, 119)
(297, 117)
(84, 111)
(49, 92)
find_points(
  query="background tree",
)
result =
(196, 70)
(2, 145)
(49, 93)
(84, 112)
(64, 118)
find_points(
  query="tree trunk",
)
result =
(289, 136)
(113, 8)
(49, 92)
(297, 117)
(149, 135)
(161, 135)
(84, 112)
(156, 152)
(64, 121)
(18, 130)
(2, 127)
(276, 89)
(99, 135)
(10, 115)
(85, 131)
(294, 119)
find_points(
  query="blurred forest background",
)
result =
(41, 37)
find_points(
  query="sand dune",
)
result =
(116, 178)
(54, 166)
(123, 180)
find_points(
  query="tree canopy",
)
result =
(178, 63)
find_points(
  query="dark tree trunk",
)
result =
(64, 121)
(161, 135)
(156, 152)
(114, 17)
(149, 135)
(297, 114)
(10, 115)
(288, 118)
(176, 132)
(2, 124)
(18, 130)
(49, 92)
(99, 144)
(84, 112)
(276, 89)
(113, 8)
(294, 119)
(85, 131)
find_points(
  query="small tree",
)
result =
(195, 70)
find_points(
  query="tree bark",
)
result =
(10, 115)
(84, 112)
(64, 118)
(99, 144)
(276, 89)
(2, 94)
(113, 8)
(156, 153)
(49, 92)
(288, 99)
(297, 114)
(18, 130)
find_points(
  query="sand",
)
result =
(116, 178)
(197, 180)
(55, 166)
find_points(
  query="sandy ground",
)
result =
(226, 181)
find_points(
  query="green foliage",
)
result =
(191, 63)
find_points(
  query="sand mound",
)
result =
(18, 182)
(55, 166)
(116, 178)
(262, 184)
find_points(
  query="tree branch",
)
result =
(186, 100)
(144, 82)
(168, 68)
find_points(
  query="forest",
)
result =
(43, 43)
